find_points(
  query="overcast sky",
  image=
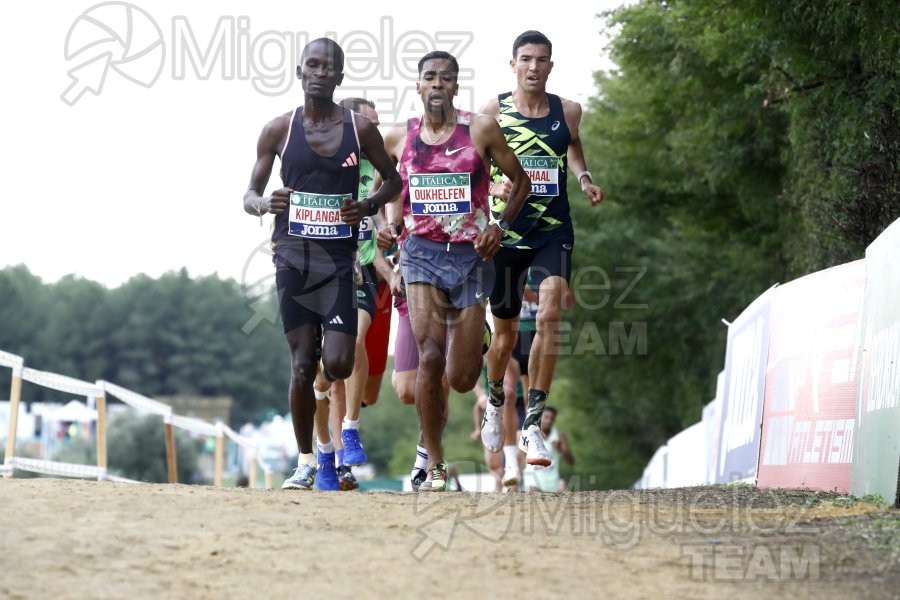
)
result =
(147, 175)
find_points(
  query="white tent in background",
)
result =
(54, 434)
(74, 411)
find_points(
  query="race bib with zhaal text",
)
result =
(544, 174)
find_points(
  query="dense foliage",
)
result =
(741, 144)
(168, 336)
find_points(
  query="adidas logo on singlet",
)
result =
(351, 160)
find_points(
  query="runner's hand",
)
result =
(594, 193)
(352, 212)
(397, 288)
(500, 189)
(387, 236)
(488, 242)
(279, 201)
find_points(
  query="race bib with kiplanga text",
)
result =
(317, 216)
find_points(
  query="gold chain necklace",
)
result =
(433, 141)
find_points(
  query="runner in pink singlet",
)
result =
(444, 162)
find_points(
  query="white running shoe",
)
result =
(511, 476)
(532, 444)
(492, 428)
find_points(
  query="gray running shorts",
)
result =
(454, 268)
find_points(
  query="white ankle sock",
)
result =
(348, 424)
(421, 458)
(306, 459)
(510, 456)
(325, 448)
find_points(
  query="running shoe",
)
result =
(436, 481)
(302, 479)
(347, 479)
(417, 477)
(492, 428)
(326, 474)
(353, 451)
(511, 476)
(532, 444)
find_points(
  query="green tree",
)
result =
(171, 335)
(136, 449)
(740, 145)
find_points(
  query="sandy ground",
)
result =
(83, 539)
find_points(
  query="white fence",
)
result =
(96, 394)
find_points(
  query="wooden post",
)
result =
(100, 404)
(220, 450)
(171, 459)
(15, 394)
(252, 474)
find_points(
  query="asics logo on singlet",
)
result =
(351, 160)
(555, 126)
(450, 152)
(337, 320)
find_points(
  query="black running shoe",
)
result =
(346, 478)
(417, 477)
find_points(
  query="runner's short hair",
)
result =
(531, 37)
(356, 103)
(439, 54)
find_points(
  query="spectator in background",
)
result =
(548, 479)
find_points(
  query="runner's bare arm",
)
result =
(382, 266)
(498, 151)
(565, 450)
(270, 142)
(393, 148)
(374, 147)
(488, 139)
(575, 154)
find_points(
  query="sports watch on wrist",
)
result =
(373, 206)
(503, 225)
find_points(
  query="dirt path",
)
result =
(82, 539)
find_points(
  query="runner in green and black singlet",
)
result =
(542, 129)
(540, 145)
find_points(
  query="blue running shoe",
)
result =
(353, 451)
(302, 479)
(326, 475)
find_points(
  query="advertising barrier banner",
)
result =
(742, 401)
(711, 426)
(809, 413)
(876, 463)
